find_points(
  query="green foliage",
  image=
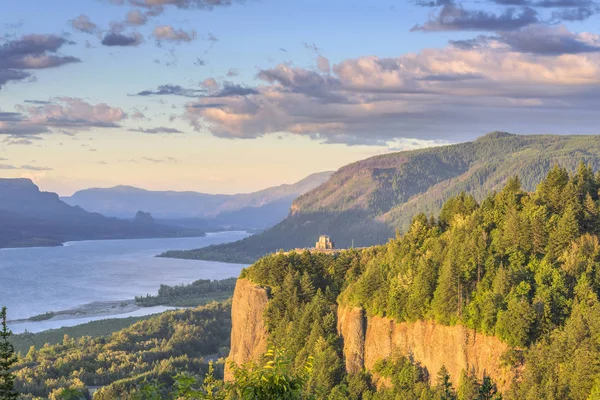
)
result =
(301, 314)
(198, 293)
(271, 379)
(405, 379)
(7, 360)
(369, 200)
(157, 348)
(105, 327)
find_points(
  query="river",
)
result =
(35, 281)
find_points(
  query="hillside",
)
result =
(154, 349)
(125, 201)
(495, 296)
(34, 218)
(369, 200)
(494, 299)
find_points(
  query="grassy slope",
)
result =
(369, 200)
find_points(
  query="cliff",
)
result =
(248, 331)
(368, 339)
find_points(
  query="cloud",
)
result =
(137, 115)
(456, 18)
(201, 4)
(5, 166)
(83, 24)
(433, 3)
(170, 34)
(573, 14)
(171, 160)
(210, 83)
(231, 90)
(172, 90)
(549, 84)
(9, 116)
(31, 52)
(136, 18)
(20, 140)
(564, 10)
(312, 47)
(118, 39)
(536, 39)
(63, 112)
(37, 101)
(323, 64)
(34, 168)
(232, 73)
(550, 41)
(160, 129)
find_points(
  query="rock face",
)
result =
(368, 339)
(248, 332)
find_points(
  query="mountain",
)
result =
(493, 299)
(366, 202)
(125, 201)
(30, 217)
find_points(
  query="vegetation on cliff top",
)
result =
(369, 200)
(522, 266)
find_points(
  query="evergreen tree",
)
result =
(487, 389)
(444, 385)
(7, 359)
(566, 231)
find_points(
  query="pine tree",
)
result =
(444, 385)
(446, 298)
(487, 389)
(566, 231)
(7, 359)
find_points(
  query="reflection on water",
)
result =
(39, 326)
(34, 281)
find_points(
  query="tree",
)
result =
(7, 360)
(444, 385)
(488, 389)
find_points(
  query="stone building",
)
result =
(324, 243)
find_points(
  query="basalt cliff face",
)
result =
(369, 339)
(248, 331)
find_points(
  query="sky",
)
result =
(231, 96)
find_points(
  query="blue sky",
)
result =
(228, 96)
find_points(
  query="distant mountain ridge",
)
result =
(366, 202)
(125, 201)
(30, 217)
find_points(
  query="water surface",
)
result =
(37, 280)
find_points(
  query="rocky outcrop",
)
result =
(351, 325)
(369, 339)
(248, 332)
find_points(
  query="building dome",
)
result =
(324, 243)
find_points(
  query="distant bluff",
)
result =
(367, 201)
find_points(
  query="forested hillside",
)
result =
(521, 266)
(152, 350)
(369, 200)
